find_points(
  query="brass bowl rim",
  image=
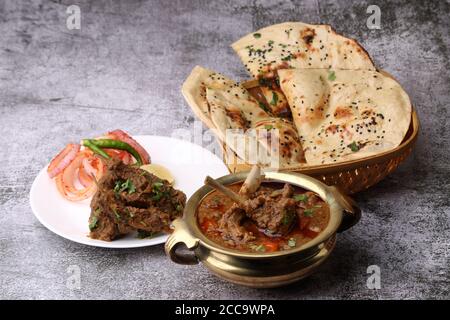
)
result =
(298, 179)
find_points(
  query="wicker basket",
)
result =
(349, 176)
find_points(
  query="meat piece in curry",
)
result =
(273, 218)
(130, 199)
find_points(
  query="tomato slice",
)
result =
(120, 154)
(271, 246)
(125, 137)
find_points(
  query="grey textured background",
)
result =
(124, 69)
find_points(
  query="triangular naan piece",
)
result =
(345, 114)
(194, 91)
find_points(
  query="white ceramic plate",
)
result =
(189, 164)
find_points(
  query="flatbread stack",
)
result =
(322, 93)
(239, 121)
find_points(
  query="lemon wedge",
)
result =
(159, 171)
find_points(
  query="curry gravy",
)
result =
(312, 218)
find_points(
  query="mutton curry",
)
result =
(273, 218)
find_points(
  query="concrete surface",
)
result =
(124, 69)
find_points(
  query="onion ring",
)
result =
(63, 159)
(65, 181)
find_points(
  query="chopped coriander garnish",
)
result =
(157, 196)
(263, 106)
(268, 127)
(353, 146)
(142, 234)
(292, 242)
(308, 212)
(331, 76)
(287, 58)
(257, 35)
(274, 99)
(301, 197)
(260, 247)
(93, 223)
(157, 185)
(127, 185)
(116, 214)
(156, 189)
(270, 42)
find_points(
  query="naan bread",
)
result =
(288, 148)
(237, 118)
(345, 114)
(194, 91)
(296, 45)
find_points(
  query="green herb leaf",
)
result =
(157, 185)
(93, 223)
(156, 189)
(277, 81)
(257, 35)
(268, 127)
(263, 106)
(331, 76)
(142, 234)
(274, 99)
(117, 186)
(308, 212)
(353, 146)
(292, 242)
(270, 42)
(287, 58)
(131, 187)
(127, 185)
(259, 247)
(116, 213)
(157, 196)
(301, 197)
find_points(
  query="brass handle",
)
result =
(352, 212)
(178, 238)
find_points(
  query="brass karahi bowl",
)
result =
(261, 270)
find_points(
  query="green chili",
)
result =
(116, 144)
(88, 143)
